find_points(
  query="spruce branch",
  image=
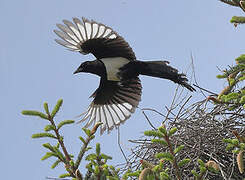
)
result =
(43, 135)
(238, 3)
(65, 122)
(143, 175)
(231, 2)
(84, 148)
(238, 19)
(63, 156)
(67, 157)
(45, 106)
(35, 113)
(171, 150)
(237, 146)
(164, 139)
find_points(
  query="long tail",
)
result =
(159, 69)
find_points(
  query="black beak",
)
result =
(77, 71)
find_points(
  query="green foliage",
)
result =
(98, 167)
(48, 155)
(153, 133)
(184, 162)
(35, 113)
(57, 107)
(221, 76)
(201, 163)
(172, 131)
(131, 174)
(165, 156)
(163, 138)
(178, 149)
(160, 141)
(49, 147)
(162, 130)
(87, 131)
(232, 95)
(49, 127)
(159, 171)
(82, 139)
(55, 164)
(164, 176)
(237, 3)
(45, 106)
(65, 122)
(235, 145)
(241, 59)
(146, 164)
(97, 149)
(54, 152)
(202, 171)
(59, 154)
(59, 151)
(43, 135)
(238, 19)
(64, 175)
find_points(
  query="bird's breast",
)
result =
(112, 66)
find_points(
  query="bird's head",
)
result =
(84, 67)
(94, 67)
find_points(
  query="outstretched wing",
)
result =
(87, 36)
(113, 103)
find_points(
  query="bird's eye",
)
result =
(86, 63)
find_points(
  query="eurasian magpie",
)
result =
(119, 91)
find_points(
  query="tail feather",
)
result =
(159, 69)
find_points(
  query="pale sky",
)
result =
(35, 69)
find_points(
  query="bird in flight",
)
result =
(119, 91)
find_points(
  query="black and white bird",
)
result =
(119, 91)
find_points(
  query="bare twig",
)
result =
(148, 120)
(205, 90)
(119, 145)
(56, 178)
(194, 73)
(153, 110)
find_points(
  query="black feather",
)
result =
(159, 69)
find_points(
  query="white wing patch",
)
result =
(127, 105)
(95, 30)
(113, 36)
(66, 44)
(101, 30)
(115, 110)
(88, 29)
(74, 34)
(112, 66)
(111, 115)
(107, 32)
(73, 29)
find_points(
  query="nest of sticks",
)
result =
(201, 128)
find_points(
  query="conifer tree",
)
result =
(240, 4)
